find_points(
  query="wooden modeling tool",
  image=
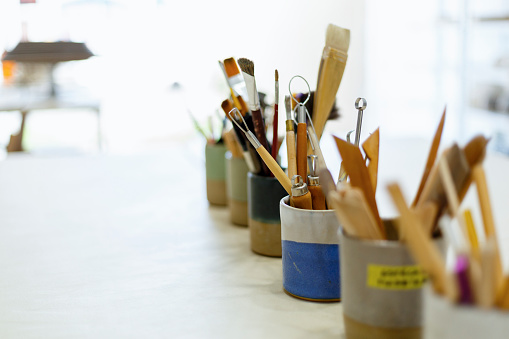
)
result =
(290, 139)
(342, 173)
(472, 234)
(275, 120)
(433, 189)
(264, 154)
(332, 67)
(479, 178)
(354, 213)
(300, 197)
(421, 246)
(359, 177)
(475, 152)
(314, 186)
(247, 67)
(230, 140)
(431, 158)
(371, 147)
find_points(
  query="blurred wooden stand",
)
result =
(26, 97)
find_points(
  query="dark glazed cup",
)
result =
(264, 195)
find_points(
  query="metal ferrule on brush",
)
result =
(252, 92)
(332, 53)
(289, 125)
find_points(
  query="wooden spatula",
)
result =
(371, 147)
(355, 167)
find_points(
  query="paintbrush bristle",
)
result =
(337, 38)
(277, 76)
(247, 66)
(227, 106)
(231, 67)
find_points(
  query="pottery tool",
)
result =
(433, 189)
(266, 157)
(479, 178)
(371, 147)
(230, 140)
(314, 186)
(302, 141)
(421, 246)
(342, 173)
(360, 106)
(488, 284)
(300, 197)
(235, 79)
(274, 121)
(431, 158)
(359, 176)
(475, 151)
(472, 233)
(354, 214)
(332, 67)
(247, 67)
(290, 139)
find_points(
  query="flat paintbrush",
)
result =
(234, 78)
(247, 67)
(332, 67)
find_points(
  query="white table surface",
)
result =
(113, 246)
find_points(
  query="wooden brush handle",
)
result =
(304, 201)
(274, 167)
(259, 128)
(292, 158)
(302, 151)
(317, 197)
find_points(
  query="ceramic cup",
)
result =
(310, 253)
(381, 288)
(236, 189)
(215, 174)
(445, 320)
(264, 194)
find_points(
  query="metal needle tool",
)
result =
(360, 109)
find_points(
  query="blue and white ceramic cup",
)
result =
(310, 253)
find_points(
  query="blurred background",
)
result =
(155, 60)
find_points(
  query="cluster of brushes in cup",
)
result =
(476, 277)
(248, 137)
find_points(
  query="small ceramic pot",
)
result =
(310, 253)
(264, 194)
(236, 189)
(215, 174)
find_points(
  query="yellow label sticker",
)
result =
(395, 277)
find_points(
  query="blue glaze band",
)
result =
(311, 270)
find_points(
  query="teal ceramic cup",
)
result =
(215, 174)
(236, 189)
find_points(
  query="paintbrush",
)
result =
(274, 121)
(302, 141)
(250, 156)
(290, 138)
(235, 79)
(247, 67)
(264, 154)
(332, 67)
